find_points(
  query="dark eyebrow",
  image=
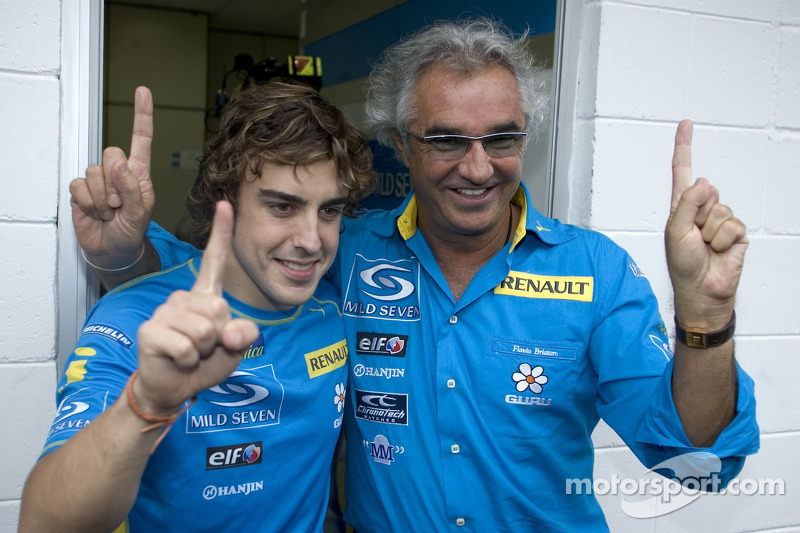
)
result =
(271, 194)
(446, 130)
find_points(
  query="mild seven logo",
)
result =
(383, 289)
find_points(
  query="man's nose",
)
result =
(306, 233)
(475, 165)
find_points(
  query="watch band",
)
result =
(703, 340)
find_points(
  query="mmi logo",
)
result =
(382, 451)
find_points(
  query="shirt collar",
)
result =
(546, 229)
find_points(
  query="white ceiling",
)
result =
(270, 17)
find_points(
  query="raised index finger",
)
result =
(142, 137)
(215, 256)
(681, 161)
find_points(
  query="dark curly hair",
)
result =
(283, 123)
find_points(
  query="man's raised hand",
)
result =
(191, 343)
(705, 244)
(112, 205)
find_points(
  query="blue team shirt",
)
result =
(254, 452)
(473, 415)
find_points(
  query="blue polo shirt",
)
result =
(253, 453)
(471, 415)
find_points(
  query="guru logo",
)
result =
(529, 378)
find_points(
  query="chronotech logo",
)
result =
(382, 407)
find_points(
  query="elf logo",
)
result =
(381, 344)
(234, 455)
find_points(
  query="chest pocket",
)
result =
(529, 387)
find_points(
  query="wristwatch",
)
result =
(703, 340)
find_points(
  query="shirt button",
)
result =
(460, 522)
(453, 319)
(455, 448)
(451, 384)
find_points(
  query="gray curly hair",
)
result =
(464, 46)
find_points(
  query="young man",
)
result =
(242, 354)
(487, 340)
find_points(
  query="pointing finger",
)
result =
(215, 256)
(681, 161)
(142, 137)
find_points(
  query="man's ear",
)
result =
(401, 147)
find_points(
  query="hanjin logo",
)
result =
(381, 372)
(382, 407)
(381, 344)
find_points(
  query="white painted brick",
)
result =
(763, 10)
(37, 25)
(632, 175)
(642, 64)
(733, 161)
(790, 12)
(774, 364)
(605, 437)
(787, 112)
(712, 512)
(27, 292)
(783, 182)
(766, 302)
(28, 397)
(586, 91)
(30, 146)
(731, 74)
(575, 194)
(632, 182)
(9, 516)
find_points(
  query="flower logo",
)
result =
(338, 399)
(528, 377)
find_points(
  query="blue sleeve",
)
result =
(98, 368)
(631, 355)
(661, 435)
(171, 250)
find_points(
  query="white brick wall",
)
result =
(734, 68)
(731, 65)
(29, 155)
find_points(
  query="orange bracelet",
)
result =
(154, 421)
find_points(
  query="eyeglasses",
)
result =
(446, 147)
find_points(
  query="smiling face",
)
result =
(286, 234)
(467, 197)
